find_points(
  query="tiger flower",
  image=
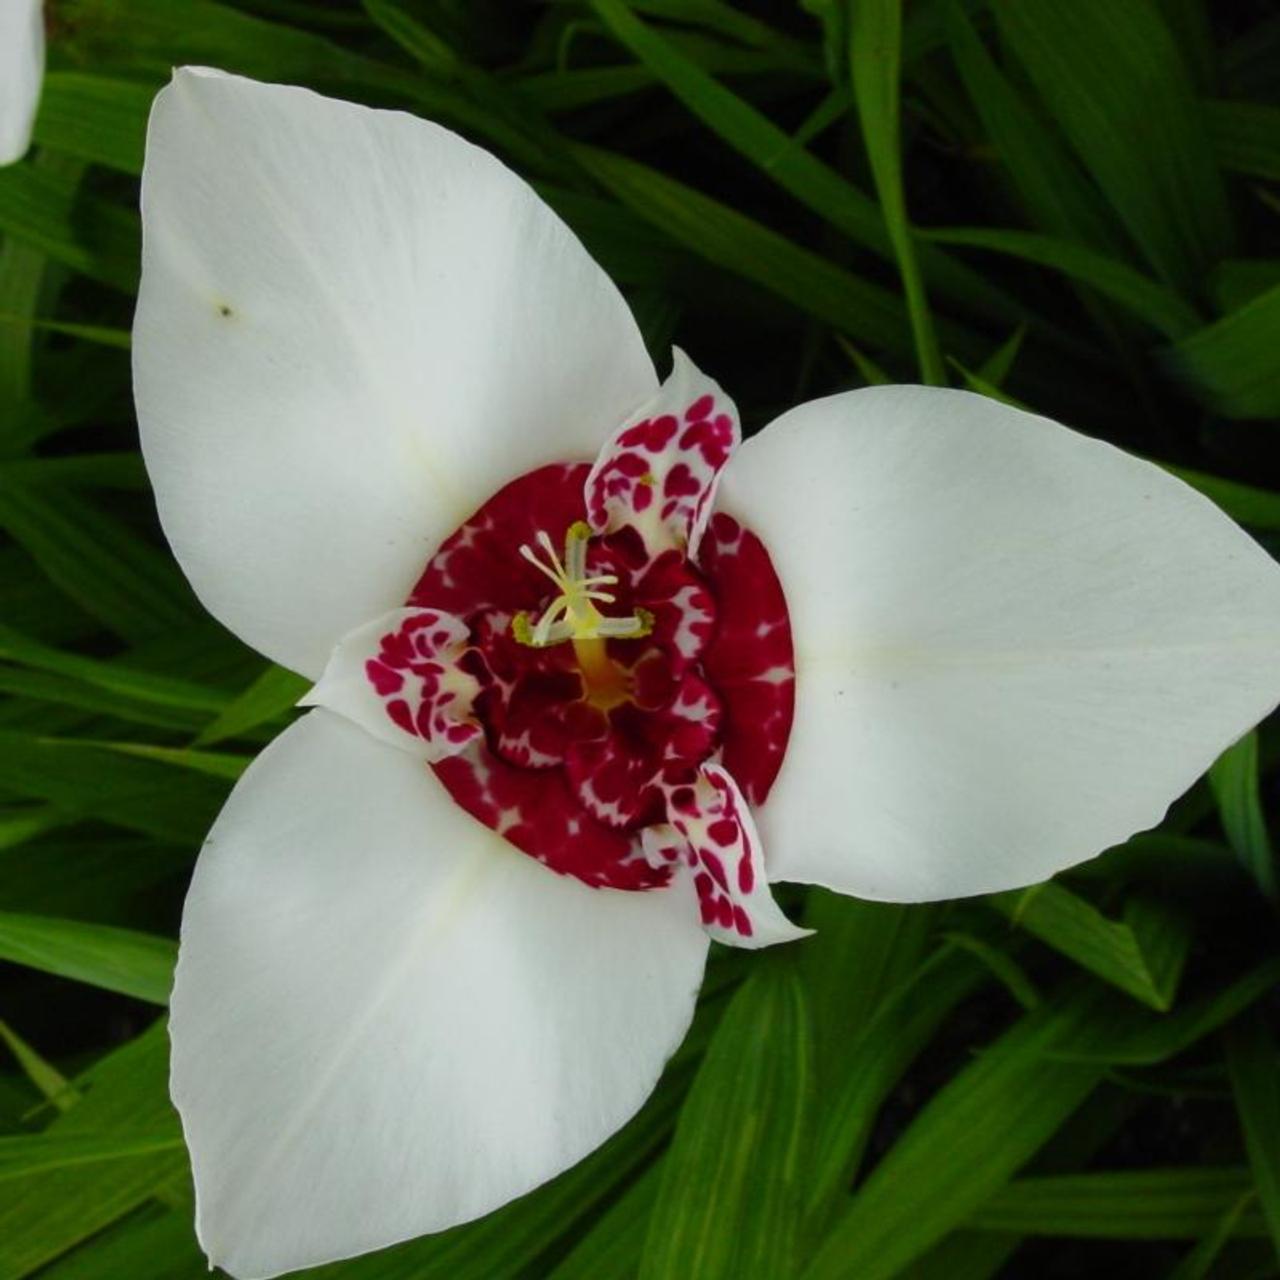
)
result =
(21, 74)
(591, 672)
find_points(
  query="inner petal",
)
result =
(579, 729)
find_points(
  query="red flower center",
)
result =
(584, 740)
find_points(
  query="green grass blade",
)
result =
(729, 1201)
(268, 698)
(138, 795)
(166, 691)
(46, 210)
(100, 563)
(867, 313)
(1146, 1204)
(1143, 961)
(1147, 1039)
(1246, 137)
(94, 118)
(615, 1242)
(967, 1141)
(214, 764)
(1114, 80)
(875, 63)
(24, 1155)
(785, 160)
(1234, 780)
(1050, 184)
(1230, 366)
(52, 1084)
(1199, 1263)
(882, 1047)
(1244, 503)
(1253, 1060)
(134, 964)
(1152, 303)
(125, 1093)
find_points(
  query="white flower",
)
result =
(357, 337)
(21, 70)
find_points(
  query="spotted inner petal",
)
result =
(404, 678)
(657, 474)
(710, 839)
(590, 689)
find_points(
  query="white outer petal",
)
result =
(21, 71)
(353, 327)
(386, 1020)
(1015, 646)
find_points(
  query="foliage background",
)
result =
(1071, 205)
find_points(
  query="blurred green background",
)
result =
(1072, 205)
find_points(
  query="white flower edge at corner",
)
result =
(1014, 646)
(21, 73)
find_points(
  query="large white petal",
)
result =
(21, 70)
(386, 1020)
(353, 327)
(1014, 645)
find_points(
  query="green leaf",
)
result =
(1242, 502)
(143, 1246)
(1050, 183)
(1234, 780)
(94, 118)
(126, 1093)
(267, 699)
(1147, 1039)
(1199, 1263)
(98, 561)
(48, 211)
(134, 964)
(1145, 1204)
(1246, 137)
(1114, 80)
(867, 313)
(26, 1154)
(966, 1142)
(1230, 366)
(138, 795)
(115, 677)
(614, 1244)
(215, 764)
(875, 62)
(881, 1042)
(785, 160)
(729, 1201)
(51, 1083)
(1253, 1060)
(1142, 956)
(1150, 302)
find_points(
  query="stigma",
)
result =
(574, 613)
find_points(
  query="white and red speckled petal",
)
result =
(712, 842)
(658, 472)
(400, 677)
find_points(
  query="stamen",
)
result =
(573, 615)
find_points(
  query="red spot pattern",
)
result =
(750, 660)
(659, 474)
(576, 783)
(413, 672)
(711, 840)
